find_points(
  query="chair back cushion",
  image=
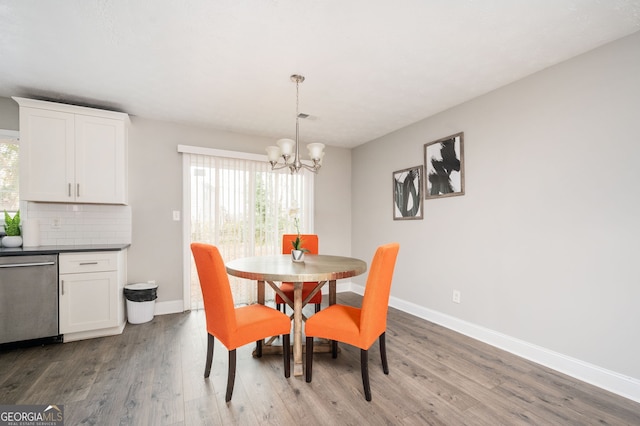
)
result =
(216, 291)
(375, 303)
(309, 242)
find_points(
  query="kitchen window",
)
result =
(9, 172)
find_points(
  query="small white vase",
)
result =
(297, 255)
(12, 241)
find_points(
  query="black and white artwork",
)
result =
(444, 167)
(407, 193)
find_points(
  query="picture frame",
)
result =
(444, 167)
(407, 193)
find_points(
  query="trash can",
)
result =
(141, 300)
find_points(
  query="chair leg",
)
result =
(383, 353)
(278, 306)
(231, 378)
(286, 354)
(259, 349)
(364, 366)
(318, 306)
(309, 366)
(207, 365)
(334, 349)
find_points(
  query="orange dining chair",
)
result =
(310, 242)
(234, 327)
(358, 327)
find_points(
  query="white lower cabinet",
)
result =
(91, 294)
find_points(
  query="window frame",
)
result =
(12, 137)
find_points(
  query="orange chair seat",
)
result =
(337, 322)
(251, 321)
(287, 288)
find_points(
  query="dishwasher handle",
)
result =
(20, 265)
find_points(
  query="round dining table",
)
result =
(316, 268)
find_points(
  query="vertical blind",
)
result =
(243, 207)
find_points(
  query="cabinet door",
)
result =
(88, 301)
(101, 170)
(46, 155)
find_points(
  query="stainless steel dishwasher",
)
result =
(28, 297)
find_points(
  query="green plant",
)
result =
(297, 243)
(12, 226)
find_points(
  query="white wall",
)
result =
(155, 190)
(544, 246)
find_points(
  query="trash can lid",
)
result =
(141, 286)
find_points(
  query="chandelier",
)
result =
(285, 148)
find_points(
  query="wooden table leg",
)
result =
(297, 329)
(260, 344)
(261, 292)
(332, 292)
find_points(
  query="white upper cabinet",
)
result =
(72, 154)
(100, 162)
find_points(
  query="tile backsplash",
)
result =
(77, 224)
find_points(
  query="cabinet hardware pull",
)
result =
(69, 190)
(88, 263)
(78, 190)
(62, 287)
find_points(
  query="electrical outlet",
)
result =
(456, 296)
(55, 223)
(176, 215)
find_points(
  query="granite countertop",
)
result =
(24, 251)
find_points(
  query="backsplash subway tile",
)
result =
(73, 224)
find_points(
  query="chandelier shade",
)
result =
(286, 152)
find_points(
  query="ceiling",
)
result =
(371, 66)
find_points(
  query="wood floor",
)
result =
(152, 374)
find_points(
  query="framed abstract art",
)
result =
(444, 167)
(407, 193)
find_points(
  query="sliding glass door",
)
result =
(239, 204)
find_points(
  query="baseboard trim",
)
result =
(102, 332)
(611, 381)
(168, 307)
